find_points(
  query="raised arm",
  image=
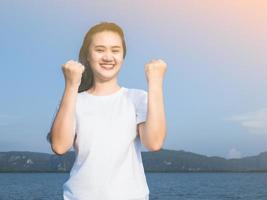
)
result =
(62, 131)
(154, 130)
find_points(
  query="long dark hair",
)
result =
(87, 80)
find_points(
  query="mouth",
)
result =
(107, 66)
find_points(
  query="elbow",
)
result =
(53, 147)
(154, 139)
(155, 147)
(58, 151)
(57, 147)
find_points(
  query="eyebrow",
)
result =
(104, 46)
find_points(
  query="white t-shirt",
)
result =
(108, 163)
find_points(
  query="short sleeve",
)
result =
(141, 107)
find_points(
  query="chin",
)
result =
(108, 76)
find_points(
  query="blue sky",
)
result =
(214, 88)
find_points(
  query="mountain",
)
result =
(159, 161)
(174, 161)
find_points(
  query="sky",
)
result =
(215, 94)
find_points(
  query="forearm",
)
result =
(62, 130)
(155, 126)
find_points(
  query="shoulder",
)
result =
(136, 95)
(134, 92)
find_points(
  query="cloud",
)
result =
(234, 153)
(255, 122)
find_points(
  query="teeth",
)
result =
(107, 66)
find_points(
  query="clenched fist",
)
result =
(73, 72)
(155, 70)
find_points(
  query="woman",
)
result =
(106, 123)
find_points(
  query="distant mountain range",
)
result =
(158, 161)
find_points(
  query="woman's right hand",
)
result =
(73, 71)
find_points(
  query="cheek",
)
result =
(95, 57)
(118, 58)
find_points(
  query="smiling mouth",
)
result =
(107, 66)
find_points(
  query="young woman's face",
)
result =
(105, 55)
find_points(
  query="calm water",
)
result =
(163, 186)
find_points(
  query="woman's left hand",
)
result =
(155, 70)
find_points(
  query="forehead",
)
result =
(106, 38)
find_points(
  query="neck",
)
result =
(104, 87)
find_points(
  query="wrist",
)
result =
(155, 81)
(72, 87)
(155, 86)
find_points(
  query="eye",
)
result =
(116, 51)
(99, 50)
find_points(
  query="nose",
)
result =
(108, 57)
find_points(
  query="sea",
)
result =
(162, 186)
